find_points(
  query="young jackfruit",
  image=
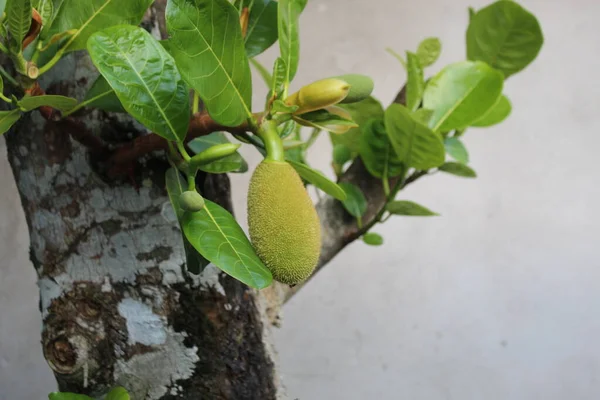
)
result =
(283, 223)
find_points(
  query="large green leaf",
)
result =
(68, 396)
(8, 119)
(18, 16)
(90, 16)
(498, 113)
(458, 169)
(415, 83)
(319, 180)
(504, 35)
(408, 208)
(456, 149)
(461, 93)
(61, 103)
(360, 112)
(101, 95)
(176, 185)
(262, 27)
(289, 40)
(144, 77)
(414, 143)
(429, 51)
(206, 41)
(217, 236)
(355, 203)
(232, 163)
(377, 152)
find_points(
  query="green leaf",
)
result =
(101, 95)
(458, 169)
(456, 149)
(232, 163)
(414, 143)
(144, 77)
(18, 16)
(415, 83)
(206, 41)
(360, 112)
(286, 129)
(264, 74)
(279, 106)
(461, 93)
(262, 27)
(405, 207)
(377, 151)
(423, 115)
(2, 6)
(8, 119)
(355, 202)
(289, 40)
(176, 185)
(93, 15)
(372, 239)
(279, 76)
(429, 51)
(326, 121)
(504, 35)
(68, 396)
(217, 236)
(472, 13)
(498, 113)
(319, 180)
(61, 103)
(117, 393)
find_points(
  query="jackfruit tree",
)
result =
(123, 119)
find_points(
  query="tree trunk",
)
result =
(118, 307)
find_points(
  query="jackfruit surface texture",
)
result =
(283, 223)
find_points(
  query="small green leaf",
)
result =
(405, 207)
(423, 115)
(326, 121)
(461, 93)
(286, 129)
(18, 16)
(101, 95)
(355, 203)
(372, 239)
(414, 143)
(377, 151)
(8, 119)
(289, 40)
(415, 83)
(504, 35)
(232, 163)
(458, 169)
(117, 393)
(68, 396)
(176, 185)
(360, 112)
(429, 51)
(144, 78)
(206, 41)
(262, 71)
(262, 27)
(280, 107)
(91, 16)
(216, 235)
(456, 149)
(48, 10)
(61, 103)
(341, 154)
(319, 180)
(2, 6)
(279, 76)
(498, 113)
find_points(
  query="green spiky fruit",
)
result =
(283, 223)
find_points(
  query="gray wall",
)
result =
(497, 299)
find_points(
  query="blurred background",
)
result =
(499, 298)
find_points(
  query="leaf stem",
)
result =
(183, 152)
(6, 99)
(9, 78)
(313, 137)
(196, 103)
